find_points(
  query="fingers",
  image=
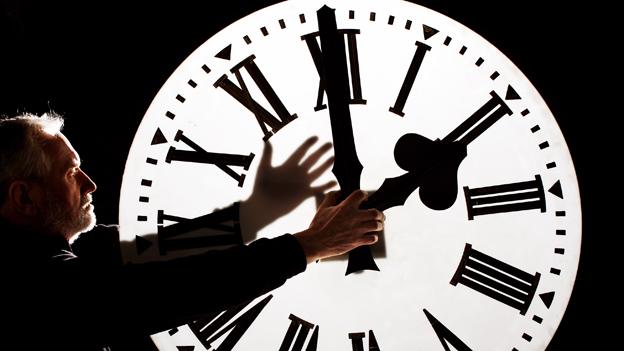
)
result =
(267, 155)
(331, 199)
(371, 226)
(321, 169)
(367, 239)
(367, 221)
(316, 156)
(323, 188)
(372, 215)
(356, 198)
(302, 149)
(371, 239)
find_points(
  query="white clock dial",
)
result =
(494, 270)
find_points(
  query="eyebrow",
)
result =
(75, 161)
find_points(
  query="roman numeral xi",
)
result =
(242, 94)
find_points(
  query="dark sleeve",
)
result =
(99, 245)
(152, 297)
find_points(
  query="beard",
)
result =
(67, 222)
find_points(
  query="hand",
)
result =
(279, 190)
(338, 228)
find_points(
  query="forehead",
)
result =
(60, 151)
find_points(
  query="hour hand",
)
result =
(347, 167)
(432, 167)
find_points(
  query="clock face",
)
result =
(483, 231)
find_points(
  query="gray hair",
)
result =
(21, 147)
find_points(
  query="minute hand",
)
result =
(347, 167)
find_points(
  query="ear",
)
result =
(23, 197)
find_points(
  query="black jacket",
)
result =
(60, 297)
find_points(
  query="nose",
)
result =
(88, 185)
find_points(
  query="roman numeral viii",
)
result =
(242, 94)
(357, 341)
(296, 335)
(210, 327)
(503, 198)
(496, 279)
(311, 40)
(199, 155)
(217, 229)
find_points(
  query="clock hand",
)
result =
(433, 165)
(347, 167)
(439, 190)
(426, 161)
(480, 120)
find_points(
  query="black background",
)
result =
(100, 64)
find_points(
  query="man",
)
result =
(58, 299)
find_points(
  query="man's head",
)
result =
(42, 187)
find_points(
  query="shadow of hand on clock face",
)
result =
(280, 189)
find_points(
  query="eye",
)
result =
(73, 171)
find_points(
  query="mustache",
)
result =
(86, 199)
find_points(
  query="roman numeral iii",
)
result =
(503, 198)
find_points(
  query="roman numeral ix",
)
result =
(220, 228)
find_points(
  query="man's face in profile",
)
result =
(67, 208)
